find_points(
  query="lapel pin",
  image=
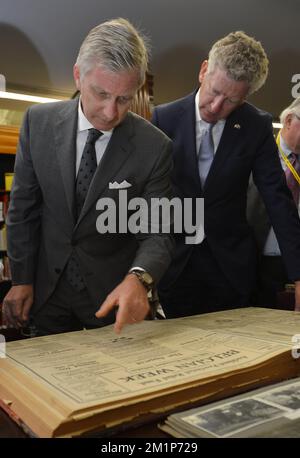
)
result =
(237, 126)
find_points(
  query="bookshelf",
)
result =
(4, 199)
(8, 139)
(5, 281)
(8, 145)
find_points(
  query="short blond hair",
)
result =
(242, 57)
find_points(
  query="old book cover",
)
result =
(266, 412)
(69, 384)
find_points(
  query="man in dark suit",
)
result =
(74, 159)
(272, 272)
(219, 139)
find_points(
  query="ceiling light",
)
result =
(26, 97)
(37, 99)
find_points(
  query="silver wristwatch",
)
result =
(146, 280)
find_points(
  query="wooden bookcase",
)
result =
(8, 139)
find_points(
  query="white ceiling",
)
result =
(39, 40)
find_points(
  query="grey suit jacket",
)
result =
(42, 231)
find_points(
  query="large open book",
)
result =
(87, 381)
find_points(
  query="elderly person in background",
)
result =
(272, 271)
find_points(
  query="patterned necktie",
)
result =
(291, 180)
(87, 168)
(206, 154)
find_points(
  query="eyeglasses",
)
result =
(298, 117)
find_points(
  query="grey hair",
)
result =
(242, 57)
(117, 46)
(293, 108)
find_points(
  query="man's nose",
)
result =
(216, 104)
(110, 110)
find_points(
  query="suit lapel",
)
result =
(65, 142)
(188, 161)
(232, 132)
(116, 154)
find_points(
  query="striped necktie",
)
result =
(206, 154)
(291, 180)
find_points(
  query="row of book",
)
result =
(4, 202)
(3, 239)
(5, 273)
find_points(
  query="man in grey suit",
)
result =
(75, 158)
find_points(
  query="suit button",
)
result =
(57, 270)
(73, 242)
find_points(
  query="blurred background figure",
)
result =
(272, 272)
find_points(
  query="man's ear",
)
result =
(288, 120)
(203, 70)
(76, 75)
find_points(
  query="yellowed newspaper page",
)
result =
(255, 322)
(99, 366)
(70, 377)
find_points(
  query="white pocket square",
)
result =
(123, 185)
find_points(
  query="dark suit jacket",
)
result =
(42, 231)
(247, 145)
(257, 216)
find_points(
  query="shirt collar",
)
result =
(287, 151)
(221, 122)
(84, 123)
(197, 111)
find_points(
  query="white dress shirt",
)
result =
(271, 247)
(83, 126)
(202, 126)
